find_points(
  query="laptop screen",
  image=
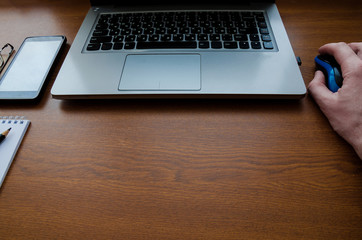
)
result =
(164, 2)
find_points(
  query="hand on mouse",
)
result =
(344, 107)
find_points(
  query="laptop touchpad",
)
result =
(161, 72)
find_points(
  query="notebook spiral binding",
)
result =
(14, 119)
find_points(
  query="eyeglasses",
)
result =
(9, 50)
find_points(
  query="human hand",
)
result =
(344, 107)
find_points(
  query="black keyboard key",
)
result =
(196, 30)
(215, 37)
(118, 46)
(160, 30)
(254, 37)
(251, 30)
(126, 31)
(142, 38)
(93, 46)
(178, 37)
(227, 37)
(102, 26)
(202, 37)
(190, 37)
(107, 46)
(255, 45)
(102, 32)
(100, 39)
(172, 30)
(165, 37)
(129, 45)
(244, 45)
(149, 31)
(216, 45)
(114, 32)
(230, 45)
(204, 45)
(130, 38)
(220, 30)
(154, 37)
(165, 45)
(118, 39)
(248, 18)
(241, 37)
(184, 30)
(232, 30)
(209, 30)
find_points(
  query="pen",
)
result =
(4, 134)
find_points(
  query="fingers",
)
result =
(343, 54)
(357, 48)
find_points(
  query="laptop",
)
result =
(180, 49)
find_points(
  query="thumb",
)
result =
(318, 89)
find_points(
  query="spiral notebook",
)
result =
(10, 145)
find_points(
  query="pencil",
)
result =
(4, 134)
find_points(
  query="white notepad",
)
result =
(10, 145)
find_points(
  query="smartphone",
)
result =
(27, 72)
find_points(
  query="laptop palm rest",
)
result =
(161, 72)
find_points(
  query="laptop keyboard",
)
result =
(181, 30)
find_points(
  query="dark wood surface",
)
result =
(181, 169)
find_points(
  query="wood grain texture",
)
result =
(181, 169)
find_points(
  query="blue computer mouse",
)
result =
(332, 71)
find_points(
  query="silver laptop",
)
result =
(184, 49)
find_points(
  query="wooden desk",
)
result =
(181, 169)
